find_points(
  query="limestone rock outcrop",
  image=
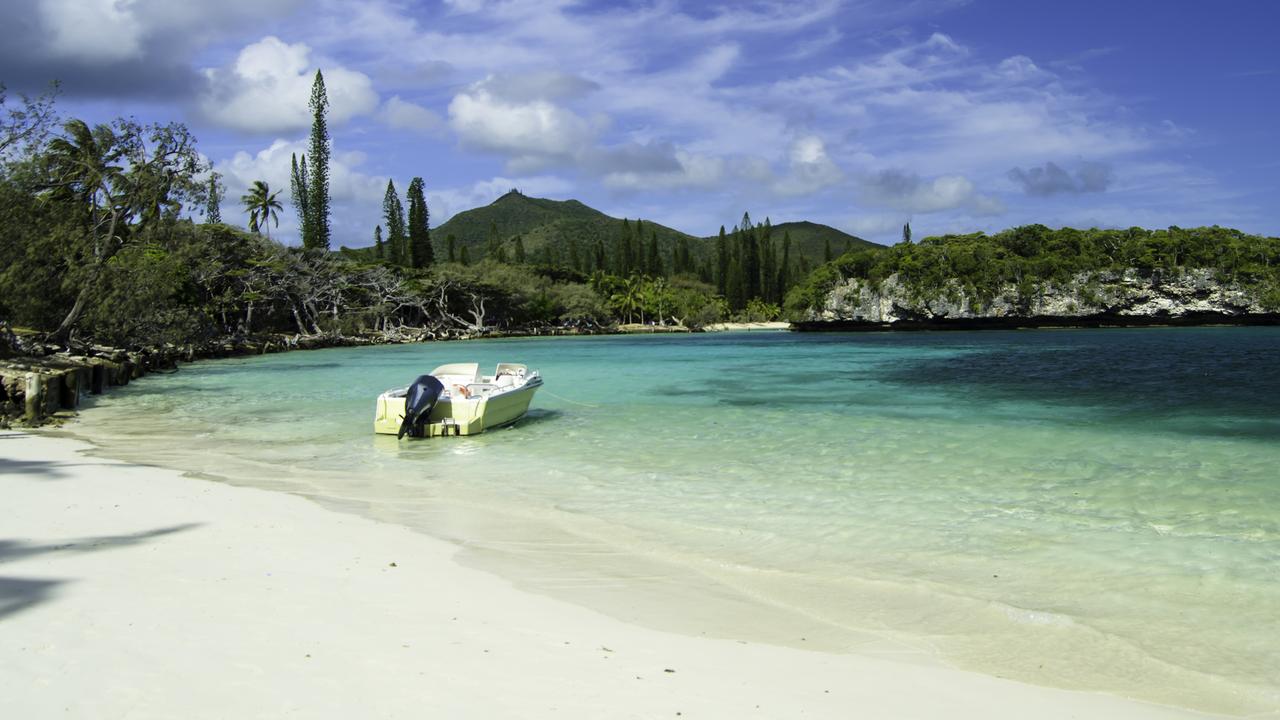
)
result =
(1130, 297)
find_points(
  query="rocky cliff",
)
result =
(1089, 299)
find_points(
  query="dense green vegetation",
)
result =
(100, 239)
(1030, 256)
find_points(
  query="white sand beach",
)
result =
(136, 592)
(747, 326)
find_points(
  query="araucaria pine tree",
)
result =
(213, 203)
(420, 251)
(377, 242)
(393, 213)
(318, 200)
(298, 188)
(722, 263)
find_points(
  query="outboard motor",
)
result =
(420, 398)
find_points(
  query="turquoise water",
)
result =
(1093, 509)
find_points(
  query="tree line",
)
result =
(1029, 257)
(114, 232)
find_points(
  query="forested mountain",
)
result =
(553, 232)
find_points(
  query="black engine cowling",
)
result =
(418, 402)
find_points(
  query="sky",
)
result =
(952, 115)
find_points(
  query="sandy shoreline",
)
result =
(131, 591)
(747, 326)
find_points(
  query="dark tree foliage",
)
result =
(783, 281)
(421, 254)
(653, 260)
(397, 239)
(213, 199)
(300, 192)
(1030, 256)
(722, 262)
(518, 250)
(378, 250)
(318, 201)
(451, 244)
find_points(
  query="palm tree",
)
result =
(627, 299)
(83, 168)
(261, 204)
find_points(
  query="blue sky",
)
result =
(863, 114)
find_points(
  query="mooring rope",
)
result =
(575, 402)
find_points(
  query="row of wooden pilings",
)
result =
(34, 389)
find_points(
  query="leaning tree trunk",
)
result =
(82, 299)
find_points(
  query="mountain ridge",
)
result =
(557, 224)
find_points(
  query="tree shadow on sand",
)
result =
(18, 593)
(41, 469)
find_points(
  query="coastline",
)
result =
(137, 589)
(748, 326)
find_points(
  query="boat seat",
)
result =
(505, 381)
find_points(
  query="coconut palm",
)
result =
(83, 164)
(261, 204)
(83, 168)
(627, 299)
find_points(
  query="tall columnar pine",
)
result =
(451, 246)
(421, 253)
(599, 257)
(768, 264)
(722, 262)
(750, 259)
(213, 200)
(465, 256)
(826, 250)
(518, 252)
(906, 233)
(653, 261)
(734, 292)
(318, 201)
(378, 251)
(575, 260)
(492, 247)
(784, 267)
(393, 214)
(300, 190)
(622, 250)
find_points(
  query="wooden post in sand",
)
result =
(33, 404)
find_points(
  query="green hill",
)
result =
(543, 226)
(809, 240)
(554, 227)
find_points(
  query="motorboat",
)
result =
(456, 399)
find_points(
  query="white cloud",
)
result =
(811, 169)
(693, 171)
(405, 115)
(533, 133)
(448, 202)
(268, 86)
(92, 30)
(912, 194)
(274, 162)
(110, 31)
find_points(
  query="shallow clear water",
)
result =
(1094, 509)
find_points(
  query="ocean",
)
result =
(1089, 509)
